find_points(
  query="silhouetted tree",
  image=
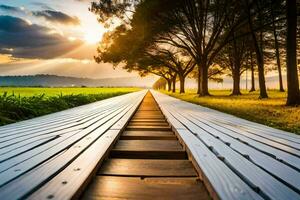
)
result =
(293, 97)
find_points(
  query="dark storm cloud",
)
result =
(31, 41)
(57, 16)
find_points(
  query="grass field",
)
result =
(31, 91)
(18, 104)
(271, 112)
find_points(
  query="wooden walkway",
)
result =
(138, 147)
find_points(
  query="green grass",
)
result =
(271, 112)
(18, 104)
(31, 91)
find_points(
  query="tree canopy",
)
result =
(198, 38)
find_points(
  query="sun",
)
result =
(92, 37)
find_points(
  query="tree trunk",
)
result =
(204, 81)
(252, 74)
(181, 80)
(293, 97)
(174, 83)
(260, 65)
(277, 54)
(236, 82)
(260, 60)
(169, 82)
(199, 80)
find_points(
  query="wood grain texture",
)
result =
(154, 188)
(146, 168)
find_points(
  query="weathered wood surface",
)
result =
(238, 159)
(61, 149)
(104, 187)
(148, 168)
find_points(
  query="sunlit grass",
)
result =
(17, 104)
(271, 112)
(31, 91)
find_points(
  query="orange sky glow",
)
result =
(72, 30)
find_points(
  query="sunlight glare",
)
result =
(92, 37)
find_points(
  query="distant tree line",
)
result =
(202, 39)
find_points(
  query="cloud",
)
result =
(57, 17)
(42, 5)
(24, 40)
(85, 0)
(10, 9)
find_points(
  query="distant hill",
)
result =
(64, 81)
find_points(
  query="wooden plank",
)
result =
(148, 149)
(23, 139)
(12, 165)
(120, 124)
(146, 168)
(104, 187)
(250, 173)
(148, 145)
(9, 153)
(68, 182)
(145, 128)
(255, 126)
(49, 120)
(148, 120)
(220, 117)
(278, 169)
(32, 130)
(268, 139)
(148, 124)
(177, 155)
(280, 155)
(64, 115)
(220, 180)
(60, 131)
(269, 134)
(69, 137)
(24, 134)
(150, 112)
(147, 135)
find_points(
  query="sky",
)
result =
(51, 37)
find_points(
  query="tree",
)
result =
(198, 29)
(258, 47)
(276, 46)
(233, 57)
(134, 48)
(177, 61)
(194, 26)
(160, 84)
(293, 97)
